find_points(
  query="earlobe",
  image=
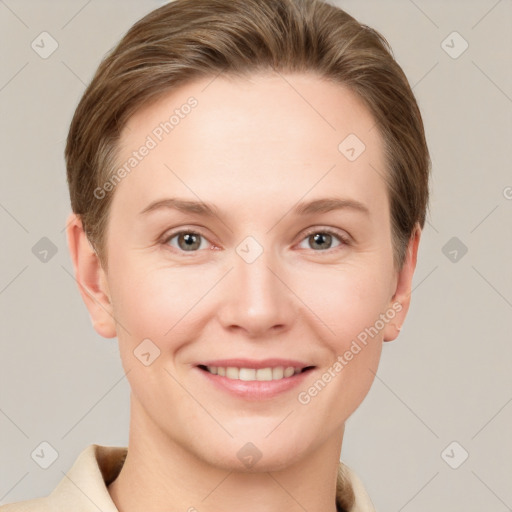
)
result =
(402, 295)
(91, 278)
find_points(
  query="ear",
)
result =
(91, 278)
(402, 297)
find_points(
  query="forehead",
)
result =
(273, 136)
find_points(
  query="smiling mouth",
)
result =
(253, 374)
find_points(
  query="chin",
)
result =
(241, 454)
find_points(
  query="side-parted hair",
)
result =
(190, 39)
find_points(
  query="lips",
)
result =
(254, 389)
(255, 380)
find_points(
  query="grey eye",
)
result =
(321, 240)
(187, 240)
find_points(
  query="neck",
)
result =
(159, 473)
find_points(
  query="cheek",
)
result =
(167, 305)
(157, 303)
(347, 300)
(350, 303)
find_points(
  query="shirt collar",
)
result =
(85, 484)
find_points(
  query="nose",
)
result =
(257, 298)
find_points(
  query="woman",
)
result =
(249, 182)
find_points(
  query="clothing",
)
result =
(84, 488)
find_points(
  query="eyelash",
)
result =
(326, 231)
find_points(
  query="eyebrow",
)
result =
(305, 208)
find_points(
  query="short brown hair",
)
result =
(188, 39)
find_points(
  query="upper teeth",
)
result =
(276, 373)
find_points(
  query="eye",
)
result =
(192, 241)
(323, 238)
(187, 241)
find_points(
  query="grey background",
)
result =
(446, 378)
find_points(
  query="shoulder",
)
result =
(84, 486)
(34, 505)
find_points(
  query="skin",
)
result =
(254, 148)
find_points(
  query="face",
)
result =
(290, 266)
